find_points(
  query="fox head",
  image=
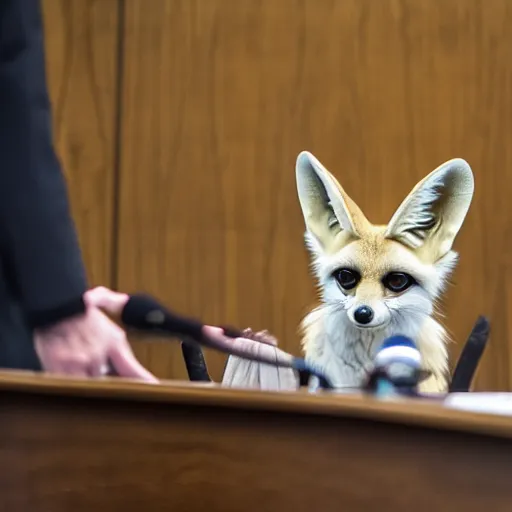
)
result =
(383, 276)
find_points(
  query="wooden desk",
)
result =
(114, 445)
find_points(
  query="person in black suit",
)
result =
(46, 322)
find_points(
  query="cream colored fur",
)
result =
(418, 241)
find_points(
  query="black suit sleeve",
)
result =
(38, 241)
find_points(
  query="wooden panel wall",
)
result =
(82, 62)
(218, 97)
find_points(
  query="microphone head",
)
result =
(399, 360)
(398, 349)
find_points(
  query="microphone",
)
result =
(397, 368)
(144, 313)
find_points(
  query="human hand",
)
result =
(261, 336)
(85, 345)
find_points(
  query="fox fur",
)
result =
(416, 242)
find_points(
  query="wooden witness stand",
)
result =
(114, 445)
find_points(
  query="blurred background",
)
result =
(179, 121)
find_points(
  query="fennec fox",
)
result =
(376, 281)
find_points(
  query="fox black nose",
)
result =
(363, 315)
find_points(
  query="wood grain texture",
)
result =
(425, 412)
(81, 59)
(219, 97)
(122, 447)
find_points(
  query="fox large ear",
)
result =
(432, 214)
(328, 211)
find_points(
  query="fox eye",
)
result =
(347, 278)
(398, 281)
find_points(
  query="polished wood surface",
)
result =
(215, 100)
(424, 413)
(116, 445)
